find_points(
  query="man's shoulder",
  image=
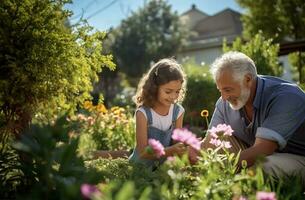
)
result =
(220, 101)
(276, 86)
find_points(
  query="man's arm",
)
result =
(261, 147)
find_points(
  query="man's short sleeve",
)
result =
(285, 113)
(218, 116)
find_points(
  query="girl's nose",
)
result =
(174, 96)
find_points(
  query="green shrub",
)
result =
(11, 176)
(213, 177)
(201, 94)
(50, 165)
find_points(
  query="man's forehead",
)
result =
(225, 77)
(225, 80)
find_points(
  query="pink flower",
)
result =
(186, 137)
(226, 144)
(88, 191)
(221, 129)
(157, 147)
(265, 196)
(181, 135)
(215, 142)
(218, 133)
(170, 159)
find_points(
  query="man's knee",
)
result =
(283, 165)
(271, 166)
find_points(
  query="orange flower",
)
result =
(204, 113)
(251, 172)
(101, 108)
(88, 105)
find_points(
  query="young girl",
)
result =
(158, 113)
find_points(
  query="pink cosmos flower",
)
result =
(265, 196)
(157, 147)
(88, 191)
(186, 137)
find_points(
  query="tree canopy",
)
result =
(278, 19)
(45, 65)
(261, 51)
(151, 33)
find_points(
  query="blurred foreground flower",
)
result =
(265, 196)
(170, 158)
(156, 147)
(186, 137)
(88, 191)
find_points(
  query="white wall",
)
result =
(206, 56)
(286, 73)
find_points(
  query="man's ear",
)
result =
(248, 80)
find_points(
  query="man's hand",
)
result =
(261, 147)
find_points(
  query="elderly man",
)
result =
(266, 113)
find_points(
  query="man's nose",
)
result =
(224, 96)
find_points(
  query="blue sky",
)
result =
(103, 14)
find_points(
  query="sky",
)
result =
(104, 14)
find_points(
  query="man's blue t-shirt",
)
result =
(278, 115)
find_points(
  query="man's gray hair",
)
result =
(239, 63)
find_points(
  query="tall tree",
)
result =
(279, 19)
(44, 66)
(262, 51)
(151, 33)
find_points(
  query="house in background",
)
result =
(208, 33)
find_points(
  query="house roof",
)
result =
(194, 10)
(209, 31)
(191, 17)
(289, 47)
(222, 24)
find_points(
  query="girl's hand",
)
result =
(193, 155)
(178, 149)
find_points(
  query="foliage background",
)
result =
(48, 68)
(44, 62)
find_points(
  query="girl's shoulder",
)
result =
(174, 108)
(180, 107)
(143, 110)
